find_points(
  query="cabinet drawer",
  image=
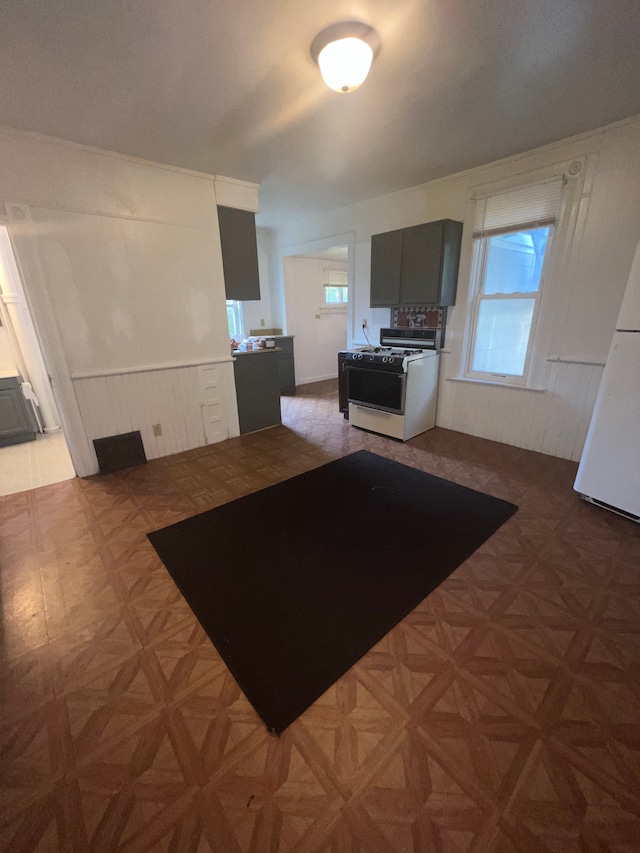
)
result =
(384, 423)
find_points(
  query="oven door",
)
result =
(376, 389)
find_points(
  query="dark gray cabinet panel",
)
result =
(286, 366)
(15, 423)
(239, 253)
(427, 270)
(386, 254)
(343, 393)
(421, 254)
(257, 390)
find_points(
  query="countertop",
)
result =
(8, 371)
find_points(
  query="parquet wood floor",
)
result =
(501, 715)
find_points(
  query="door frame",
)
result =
(22, 235)
(347, 239)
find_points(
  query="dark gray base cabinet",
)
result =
(416, 265)
(257, 390)
(286, 367)
(17, 423)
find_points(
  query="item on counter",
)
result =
(249, 346)
(270, 343)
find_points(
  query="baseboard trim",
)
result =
(316, 379)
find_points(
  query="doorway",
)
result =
(316, 307)
(33, 448)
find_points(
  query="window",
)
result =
(336, 291)
(512, 236)
(234, 318)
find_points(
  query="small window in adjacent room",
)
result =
(336, 291)
(234, 318)
(511, 240)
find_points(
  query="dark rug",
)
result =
(294, 583)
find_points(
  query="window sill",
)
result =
(466, 379)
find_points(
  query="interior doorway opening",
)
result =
(316, 306)
(33, 448)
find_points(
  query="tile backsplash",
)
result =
(414, 317)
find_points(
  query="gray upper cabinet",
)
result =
(386, 257)
(239, 253)
(416, 265)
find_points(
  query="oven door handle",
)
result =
(400, 373)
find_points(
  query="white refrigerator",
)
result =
(609, 471)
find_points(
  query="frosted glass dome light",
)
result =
(344, 52)
(344, 64)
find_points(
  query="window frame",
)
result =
(326, 275)
(480, 249)
(236, 306)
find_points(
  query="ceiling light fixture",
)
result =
(344, 52)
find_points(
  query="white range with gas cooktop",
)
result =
(393, 388)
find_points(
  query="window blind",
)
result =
(526, 207)
(336, 278)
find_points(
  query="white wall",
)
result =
(586, 295)
(6, 350)
(319, 332)
(122, 264)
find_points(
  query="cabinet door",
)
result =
(386, 251)
(257, 391)
(451, 242)
(421, 264)
(286, 372)
(14, 423)
(239, 253)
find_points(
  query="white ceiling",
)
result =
(228, 87)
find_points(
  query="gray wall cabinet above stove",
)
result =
(416, 265)
(239, 253)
